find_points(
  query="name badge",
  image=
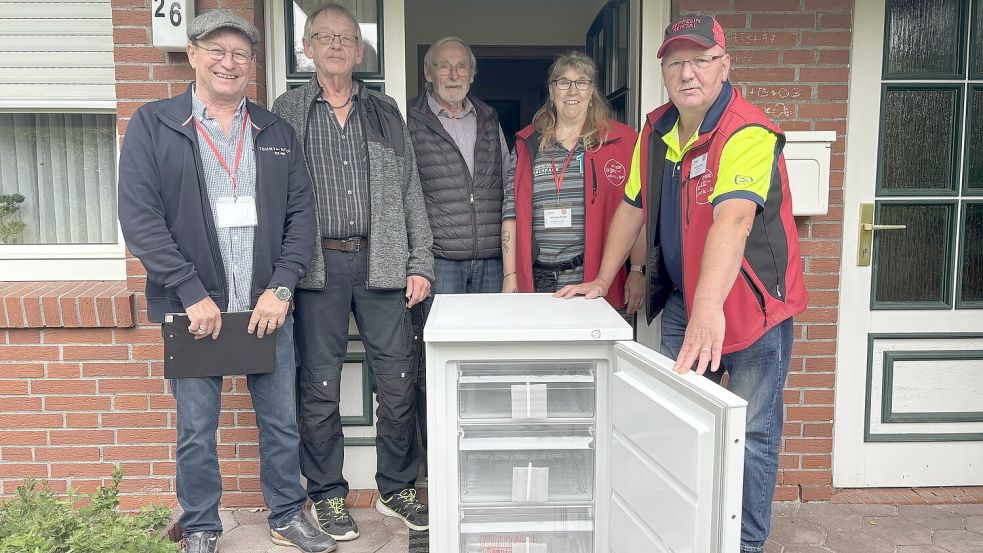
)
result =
(558, 217)
(698, 167)
(236, 212)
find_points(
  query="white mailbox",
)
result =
(170, 20)
(807, 159)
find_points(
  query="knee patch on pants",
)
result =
(320, 394)
(395, 388)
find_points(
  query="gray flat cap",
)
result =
(220, 18)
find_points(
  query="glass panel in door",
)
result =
(930, 145)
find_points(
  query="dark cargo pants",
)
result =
(321, 318)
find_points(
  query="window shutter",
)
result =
(56, 52)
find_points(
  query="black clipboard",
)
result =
(234, 351)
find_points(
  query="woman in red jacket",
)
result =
(567, 178)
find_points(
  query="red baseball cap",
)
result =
(701, 30)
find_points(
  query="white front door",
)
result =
(674, 458)
(909, 376)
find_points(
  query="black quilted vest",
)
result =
(465, 213)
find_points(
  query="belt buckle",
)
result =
(357, 244)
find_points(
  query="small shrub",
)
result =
(36, 521)
(10, 228)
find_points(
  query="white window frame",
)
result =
(59, 262)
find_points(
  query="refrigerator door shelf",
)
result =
(529, 399)
(527, 476)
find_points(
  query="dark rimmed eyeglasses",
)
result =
(564, 84)
(698, 63)
(327, 39)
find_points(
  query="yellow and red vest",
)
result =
(769, 287)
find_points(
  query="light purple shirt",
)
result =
(463, 129)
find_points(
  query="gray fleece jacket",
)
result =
(400, 240)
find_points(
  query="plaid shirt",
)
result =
(339, 162)
(235, 243)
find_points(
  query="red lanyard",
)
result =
(242, 138)
(558, 178)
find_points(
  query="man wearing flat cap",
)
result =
(216, 202)
(709, 180)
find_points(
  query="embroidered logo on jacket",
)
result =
(275, 150)
(704, 187)
(615, 171)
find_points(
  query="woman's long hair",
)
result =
(596, 126)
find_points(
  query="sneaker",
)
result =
(201, 542)
(298, 532)
(406, 507)
(334, 519)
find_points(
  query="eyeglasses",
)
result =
(564, 84)
(241, 57)
(327, 39)
(697, 63)
(444, 68)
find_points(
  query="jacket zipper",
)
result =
(757, 294)
(474, 226)
(593, 171)
(317, 209)
(256, 231)
(368, 172)
(682, 234)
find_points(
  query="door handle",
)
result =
(869, 227)
(865, 240)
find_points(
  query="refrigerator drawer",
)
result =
(526, 399)
(527, 542)
(518, 476)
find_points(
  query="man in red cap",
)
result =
(708, 177)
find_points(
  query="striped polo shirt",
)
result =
(555, 245)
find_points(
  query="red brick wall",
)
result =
(791, 58)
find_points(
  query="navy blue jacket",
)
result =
(167, 220)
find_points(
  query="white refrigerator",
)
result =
(551, 431)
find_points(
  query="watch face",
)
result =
(282, 293)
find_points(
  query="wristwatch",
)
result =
(640, 269)
(282, 293)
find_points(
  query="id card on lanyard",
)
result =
(560, 215)
(234, 211)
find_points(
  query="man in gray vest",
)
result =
(461, 154)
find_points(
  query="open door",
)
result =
(675, 459)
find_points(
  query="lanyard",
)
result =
(242, 138)
(558, 178)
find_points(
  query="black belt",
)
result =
(353, 244)
(567, 265)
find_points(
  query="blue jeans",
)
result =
(470, 276)
(199, 482)
(757, 374)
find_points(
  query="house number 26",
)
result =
(175, 13)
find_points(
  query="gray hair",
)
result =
(431, 52)
(336, 9)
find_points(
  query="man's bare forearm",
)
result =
(723, 252)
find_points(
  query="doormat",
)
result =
(419, 541)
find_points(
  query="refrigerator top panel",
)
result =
(522, 318)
